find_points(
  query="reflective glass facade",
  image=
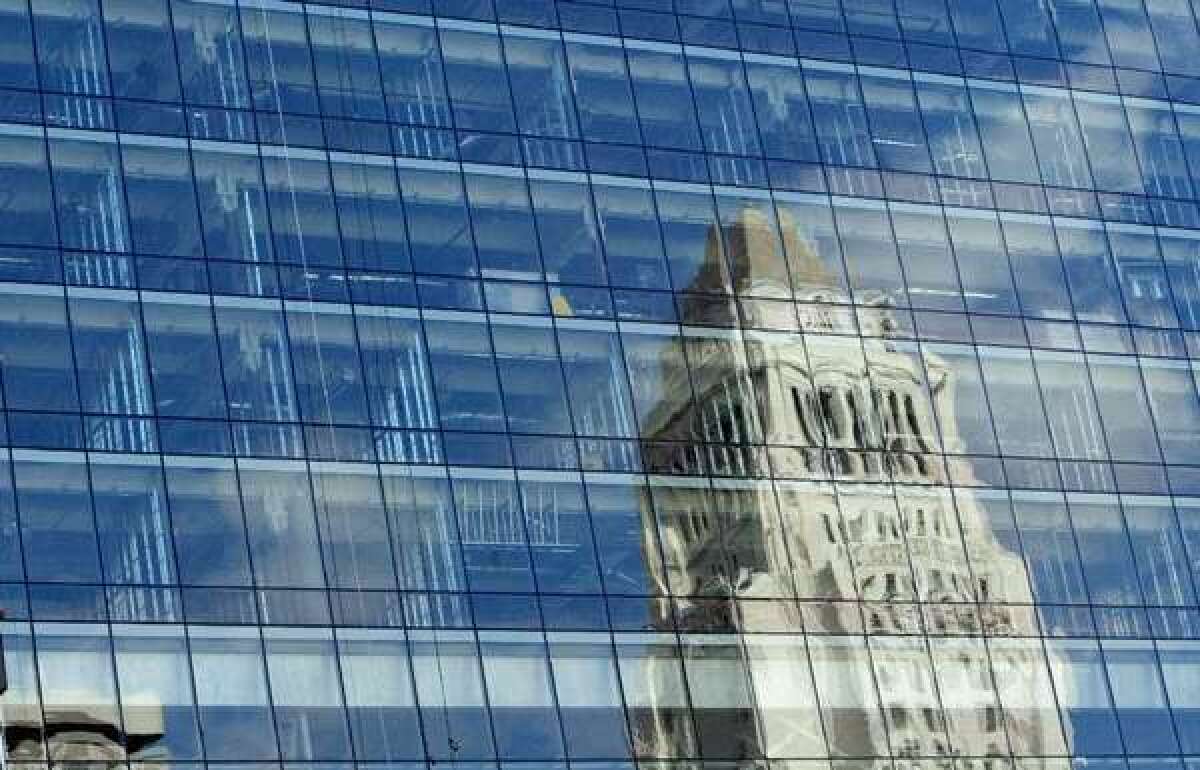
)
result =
(600, 384)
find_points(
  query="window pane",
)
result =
(57, 529)
(521, 696)
(155, 679)
(451, 696)
(87, 188)
(411, 67)
(76, 676)
(281, 524)
(589, 695)
(541, 86)
(664, 99)
(231, 692)
(278, 59)
(133, 523)
(208, 529)
(306, 693)
(380, 703)
(477, 80)
(353, 526)
(347, 69)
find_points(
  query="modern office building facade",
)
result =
(533, 384)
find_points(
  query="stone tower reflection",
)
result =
(898, 575)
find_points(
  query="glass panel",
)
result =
(347, 67)
(281, 524)
(353, 526)
(601, 404)
(695, 251)
(87, 189)
(27, 217)
(184, 361)
(76, 675)
(460, 355)
(568, 230)
(849, 701)
(1124, 409)
(1067, 392)
(1083, 696)
(626, 540)
(949, 123)
(1181, 675)
(134, 527)
(370, 215)
(256, 362)
(898, 136)
(1057, 138)
(231, 693)
(838, 113)
(157, 703)
(438, 227)
(141, 56)
(38, 370)
(1050, 552)
(1163, 163)
(233, 206)
(1090, 272)
(656, 701)
(303, 218)
(492, 527)
(1005, 135)
(1104, 548)
(541, 86)
(560, 537)
(982, 263)
(411, 68)
(1144, 283)
(211, 64)
(424, 533)
(521, 696)
(164, 217)
(603, 95)
(306, 693)
(722, 702)
(723, 105)
(924, 250)
(70, 41)
(589, 695)
(1037, 270)
(1023, 682)
(329, 378)
(1171, 392)
(870, 251)
(1128, 33)
(1159, 552)
(1138, 696)
(58, 532)
(1109, 145)
(781, 106)
(501, 219)
(110, 356)
(477, 80)
(633, 243)
(450, 692)
(208, 529)
(664, 99)
(380, 703)
(278, 59)
(23, 728)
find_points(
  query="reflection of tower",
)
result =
(915, 559)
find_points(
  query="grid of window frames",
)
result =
(774, 383)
